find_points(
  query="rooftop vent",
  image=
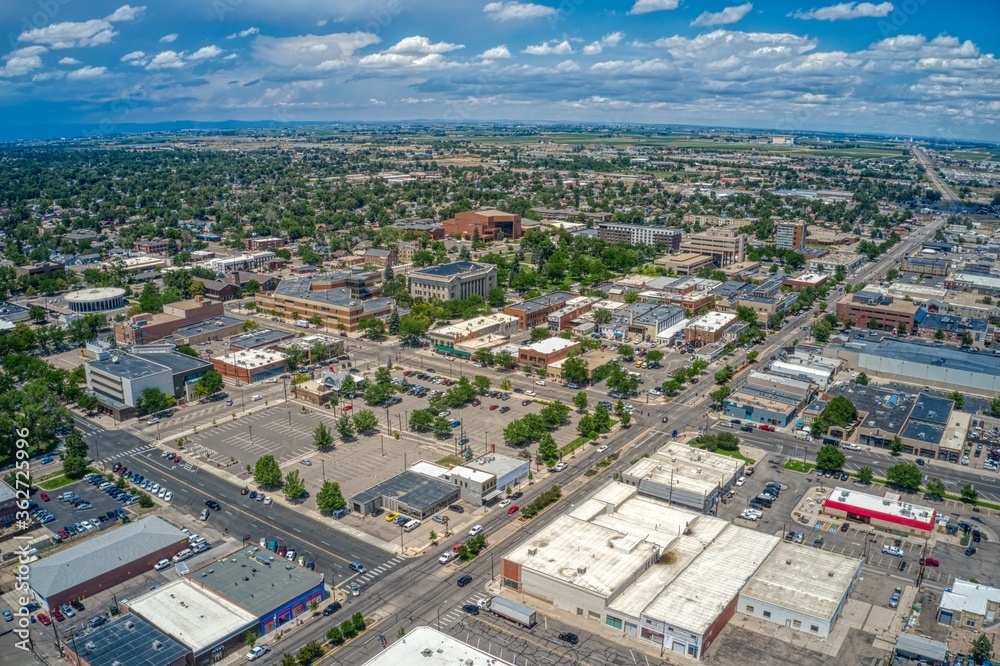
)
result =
(581, 570)
(91, 645)
(532, 551)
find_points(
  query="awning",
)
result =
(492, 495)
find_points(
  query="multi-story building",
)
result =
(926, 265)
(42, 268)
(864, 306)
(448, 339)
(487, 225)
(250, 365)
(155, 246)
(938, 326)
(340, 300)
(243, 262)
(634, 234)
(432, 227)
(708, 328)
(828, 262)
(790, 236)
(453, 282)
(565, 316)
(685, 263)
(145, 328)
(534, 312)
(540, 354)
(725, 245)
(263, 243)
(641, 320)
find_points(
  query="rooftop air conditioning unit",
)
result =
(91, 645)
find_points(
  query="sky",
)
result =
(901, 68)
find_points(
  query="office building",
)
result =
(429, 647)
(145, 328)
(261, 244)
(790, 236)
(340, 299)
(243, 262)
(453, 282)
(685, 263)
(101, 299)
(534, 312)
(725, 245)
(485, 225)
(635, 234)
(540, 355)
(708, 328)
(863, 307)
(251, 365)
(155, 246)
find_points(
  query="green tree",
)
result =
(995, 407)
(309, 653)
(654, 356)
(421, 420)
(901, 328)
(822, 330)
(145, 501)
(939, 335)
(548, 450)
(413, 327)
(575, 371)
(442, 427)
(862, 379)
(366, 422)
(266, 472)
(625, 419)
(896, 446)
(294, 486)
(209, 384)
(505, 359)
(373, 329)
(539, 333)
(958, 397)
(497, 297)
(967, 339)
(580, 401)
(483, 356)
(74, 467)
(334, 635)
(482, 384)
(872, 324)
(329, 498)
(153, 400)
(602, 419)
(935, 489)
(969, 494)
(345, 426)
(724, 375)
(840, 412)
(602, 316)
(982, 649)
(830, 458)
(76, 445)
(865, 475)
(251, 639)
(188, 351)
(348, 387)
(322, 437)
(394, 322)
(904, 477)
(747, 314)
(720, 394)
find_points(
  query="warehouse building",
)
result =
(126, 641)
(426, 645)
(801, 588)
(682, 475)
(409, 493)
(104, 561)
(889, 512)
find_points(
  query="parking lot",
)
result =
(66, 514)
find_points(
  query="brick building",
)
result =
(540, 354)
(145, 328)
(863, 306)
(488, 225)
(534, 312)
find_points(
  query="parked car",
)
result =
(570, 638)
(894, 599)
(892, 550)
(257, 651)
(332, 608)
(929, 562)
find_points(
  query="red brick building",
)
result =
(488, 225)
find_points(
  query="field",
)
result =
(964, 155)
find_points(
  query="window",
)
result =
(767, 613)
(613, 622)
(814, 628)
(796, 623)
(749, 609)
(970, 623)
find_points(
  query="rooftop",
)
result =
(496, 464)
(550, 345)
(307, 341)
(804, 580)
(128, 366)
(251, 358)
(88, 295)
(551, 299)
(409, 488)
(427, 646)
(470, 325)
(128, 641)
(452, 269)
(195, 616)
(969, 597)
(890, 507)
(712, 321)
(685, 468)
(261, 337)
(945, 356)
(254, 586)
(105, 552)
(207, 325)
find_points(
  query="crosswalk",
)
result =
(455, 614)
(372, 574)
(136, 450)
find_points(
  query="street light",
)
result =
(439, 614)
(250, 428)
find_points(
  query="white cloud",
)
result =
(22, 61)
(231, 56)
(429, 61)
(611, 39)
(166, 60)
(719, 43)
(85, 73)
(728, 15)
(567, 66)
(846, 11)
(169, 39)
(496, 53)
(206, 52)
(69, 61)
(311, 51)
(550, 48)
(419, 45)
(70, 34)
(647, 6)
(252, 30)
(512, 11)
(134, 56)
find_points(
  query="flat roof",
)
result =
(707, 586)
(94, 294)
(198, 617)
(712, 321)
(224, 321)
(475, 324)
(268, 587)
(550, 345)
(694, 469)
(553, 298)
(804, 580)
(426, 645)
(127, 366)
(889, 507)
(251, 358)
(884, 409)
(969, 597)
(105, 552)
(260, 337)
(172, 359)
(309, 341)
(412, 489)
(6, 492)
(452, 269)
(928, 353)
(498, 465)
(129, 641)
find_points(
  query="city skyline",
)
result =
(904, 68)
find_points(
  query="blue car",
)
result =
(455, 423)
(46, 460)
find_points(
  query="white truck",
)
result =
(513, 611)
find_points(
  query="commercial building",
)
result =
(410, 493)
(685, 263)
(509, 472)
(307, 343)
(486, 225)
(426, 226)
(968, 605)
(11, 314)
(827, 263)
(769, 399)
(725, 245)
(818, 370)
(888, 512)
(127, 640)
(950, 328)
(708, 328)
(429, 647)
(864, 306)
(250, 365)
(154, 246)
(790, 236)
(100, 299)
(806, 280)
(145, 328)
(569, 315)
(341, 300)
(453, 282)
(541, 354)
(117, 378)
(635, 234)
(801, 588)
(682, 475)
(259, 338)
(8, 505)
(641, 321)
(534, 312)
(243, 262)
(221, 290)
(926, 265)
(195, 333)
(594, 358)
(39, 268)
(260, 244)
(476, 487)
(110, 558)
(448, 339)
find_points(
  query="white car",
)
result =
(153, 421)
(504, 503)
(267, 500)
(539, 383)
(271, 380)
(162, 493)
(602, 448)
(255, 398)
(257, 651)
(560, 467)
(169, 496)
(740, 481)
(161, 565)
(87, 525)
(476, 529)
(446, 557)
(892, 550)
(530, 393)
(749, 516)
(850, 447)
(155, 489)
(166, 453)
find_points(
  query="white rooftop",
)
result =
(199, 618)
(804, 580)
(428, 469)
(707, 586)
(251, 359)
(712, 321)
(307, 341)
(969, 597)
(470, 326)
(473, 475)
(889, 504)
(550, 345)
(686, 468)
(429, 647)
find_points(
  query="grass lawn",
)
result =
(737, 455)
(451, 461)
(60, 481)
(573, 445)
(799, 466)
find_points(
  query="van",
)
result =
(183, 555)
(161, 565)
(302, 324)
(411, 525)
(765, 499)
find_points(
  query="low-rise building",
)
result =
(476, 487)
(569, 315)
(259, 338)
(410, 493)
(828, 262)
(949, 328)
(198, 332)
(262, 243)
(534, 312)
(427, 226)
(243, 262)
(594, 358)
(8, 505)
(126, 640)
(154, 246)
(863, 307)
(708, 328)
(426, 645)
(453, 282)
(486, 225)
(448, 339)
(889, 512)
(682, 475)
(540, 355)
(509, 472)
(805, 281)
(250, 365)
(39, 268)
(970, 606)
(641, 321)
(146, 328)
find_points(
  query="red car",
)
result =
(475, 403)
(768, 428)
(57, 614)
(929, 562)
(44, 619)
(44, 496)
(513, 509)
(348, 408)
(456, 547)
(492, 407)
(407, 373)
(177, 459)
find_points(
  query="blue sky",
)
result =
(906, 67)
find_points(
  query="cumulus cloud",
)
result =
(69, 61)
(514, 11)
(727, 16)
(134, 56)
(609, 40)
(166, 60)
(70, 34)
(429, 61)
(496, 53)
(22, 61)
(169, 39)
(85, 73)
(319, 52)
(647, 6)
(550, 48)
(206, 52)
(419, 45)
(252, 30)
(846, 11)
